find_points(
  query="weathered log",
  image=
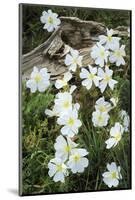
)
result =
(73, 32)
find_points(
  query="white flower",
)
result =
(125, 120)
(50, 20)
(73, 60)
(117, 55)
(112, 176)
(57, 170)
(115, 135)
(63, 82)
(102, 105)
(108, 41)
(52, 113)
(123, 113)
(114, 101)
(71, 123)
(63, 102)
(99, 54)
(77, 162)
(107, 79)
(63, 147)
(90, 77)
(39, 80)
(100, 119)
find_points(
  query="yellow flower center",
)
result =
(50, 20)
(107, 78)
(38, 78)
(67, 148)
(71, 121)
(75, 61)
(102, 108)
(109, 38)
(66, 104)
(118, 136)
(76, 157)
(113, 175)
(91, 76)
(102, 53)
(59, 168)
(100, 119)
(118, 53)
(64, 82)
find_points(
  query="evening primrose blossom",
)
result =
(63, 102)
(39, 80)
(89, 77)
(117, 55)
(71, 123)
(57, 170)
(50, 20)
(112, 176)
(125, 120)
(102, 105)
(115, 135)
(63, 147)
(73, 59)
(106, 79)
(60, 83)
(77, 162)
(100, 119)
(99, 54)
(109, 41)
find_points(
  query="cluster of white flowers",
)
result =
(100, 117)
(105, 52)
(68, 156)
(101, 78)
(107, 49)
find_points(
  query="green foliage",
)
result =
(37, 144)
(125, 96)
(34, 105)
